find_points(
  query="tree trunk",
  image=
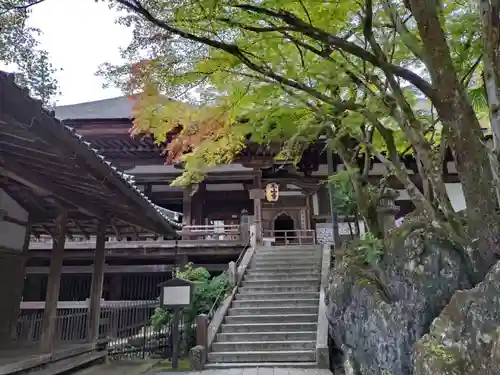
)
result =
(491, 40)
(455, 111)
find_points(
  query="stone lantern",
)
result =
(387, 210)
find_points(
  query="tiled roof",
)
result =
(114, 108)
(168, 215)
(32, 120)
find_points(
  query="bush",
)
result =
(206, 291)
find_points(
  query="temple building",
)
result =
(229, 198)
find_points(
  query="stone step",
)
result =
(285, 267)
(263, 356)
(287, 262)
(276, 310)
(281, 273)
(266, 295)
(266, 336)
(290, 248)
(277, 289)
(284, 262)
(287, 256)
(283, 282)
(276, 302)
(254, 365)
(269, 327)
(263, 346)
(294, 253)
(280, 276)
(272, 318)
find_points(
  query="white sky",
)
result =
(79, 35)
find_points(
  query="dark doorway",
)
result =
(284, 229)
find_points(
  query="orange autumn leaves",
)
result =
(178, 127)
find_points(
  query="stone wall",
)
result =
(377, 314)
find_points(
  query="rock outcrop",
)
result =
(377, 314)
(465, 338)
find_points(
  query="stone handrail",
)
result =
(237, 271)
(322, 353)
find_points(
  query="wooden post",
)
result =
(53, 283)
(186, 205)
(197, 204)
(176, 337)
(97, 281)
(257, 210)
(202, 330)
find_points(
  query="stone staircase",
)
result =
(272, 320)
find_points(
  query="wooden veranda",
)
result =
(52, 183)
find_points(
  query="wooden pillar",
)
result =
(186, 205)
(198, 203)
(54, 280)
(97, 281)
(257, 208)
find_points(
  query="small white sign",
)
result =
(177, 295)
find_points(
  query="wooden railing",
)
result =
(211, 232)
(71, 325)
(290, 237)
(189, 232)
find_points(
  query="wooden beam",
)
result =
(138, 268)
(9, 219)
(97, 282)
(81, 229)
(116, 230)
(46, 188)
(49, 322)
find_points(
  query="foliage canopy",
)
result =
(19, 46)
(391, 75)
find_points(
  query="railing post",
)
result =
(198, 354)
(232, 273)
(253, 236)
(202, 330)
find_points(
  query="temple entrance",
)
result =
(284, 229)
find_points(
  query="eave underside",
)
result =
(48, 169)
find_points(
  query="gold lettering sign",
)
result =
(272, 192)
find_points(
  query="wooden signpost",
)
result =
(176, 294)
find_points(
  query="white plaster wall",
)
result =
(12, 235)
(456, 194)
(454, 190)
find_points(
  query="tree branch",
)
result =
(342, 44)
(7, 8)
